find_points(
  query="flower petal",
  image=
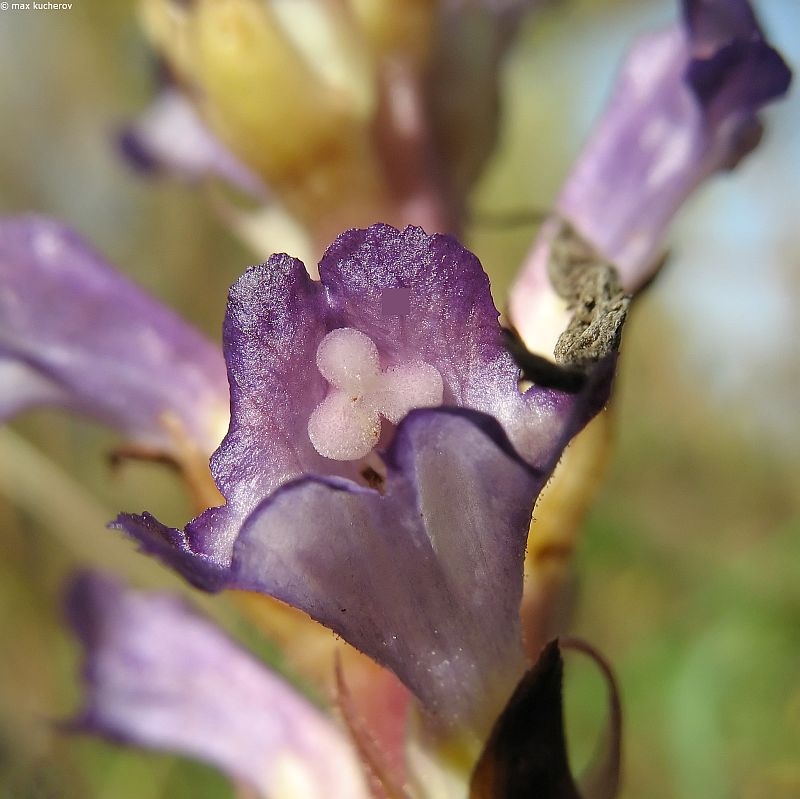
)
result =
(160, 676)
(276, 319)
(170, 137)
(273, 325)
(425, 585)
(75, 333)
(685, 106)
(684, 99)
(448, 319)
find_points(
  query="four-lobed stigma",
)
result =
(346, 425)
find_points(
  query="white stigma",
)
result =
(346, 425)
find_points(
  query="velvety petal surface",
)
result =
(171, 138)
(426, 579)
(77, 334)
(685, 106)
(160, 676)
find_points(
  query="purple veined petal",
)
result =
(74, 333)
(162, 677)
(419, 298)
(426, 579)
(685, 106)
(170, 137)
(273, 325)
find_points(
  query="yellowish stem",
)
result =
(557, 519)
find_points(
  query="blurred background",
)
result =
(688, 569)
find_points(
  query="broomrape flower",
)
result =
(352, 524)
(161, 676)
(76, 334)
(323, 442)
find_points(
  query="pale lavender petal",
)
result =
(171, 138)
(162, 677)
(685, 106)
(75, 333)
(426, 579)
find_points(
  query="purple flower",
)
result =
(169, 137)
(74, 333)
(409, 541)
(685, 106)
(160, 676)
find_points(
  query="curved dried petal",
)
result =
(169, 137)
(75, 333)
(160, 676)
(526, 754)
